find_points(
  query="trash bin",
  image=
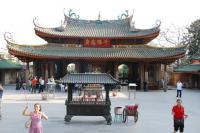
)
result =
(145, 86)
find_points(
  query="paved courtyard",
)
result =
(154, 113)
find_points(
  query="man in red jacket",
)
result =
(179, 115)
(33, 83)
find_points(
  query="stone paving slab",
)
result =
(154, 113)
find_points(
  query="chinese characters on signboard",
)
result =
(91, 42)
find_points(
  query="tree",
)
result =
(123, 72)
(171, 36)
(192, 39)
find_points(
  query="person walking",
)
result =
(33, 83)
(1, 95)
(178, 116)
(36, 116)
(41, 81)
(179, 86)
(22, 84)
(17, 83)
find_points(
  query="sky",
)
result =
(17, 15)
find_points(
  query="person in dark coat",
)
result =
(1, 95)
(17, 83)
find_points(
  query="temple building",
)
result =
(9, 71)
(189, 74)
(98, 46)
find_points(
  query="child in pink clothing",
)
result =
(36, 116)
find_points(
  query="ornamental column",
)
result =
(166, 78)
(46, 72)
(142, 70)
(27, 74)
(146, 76)
(116, 73)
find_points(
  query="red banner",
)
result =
(97, 42)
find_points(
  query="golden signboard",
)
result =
(96, 42)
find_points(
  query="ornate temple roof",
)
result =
(134, 53)
(75, 27)
(93, 78)
(188, 68)
(123, 28)
(6, 64)
(196, 56)
(101, 29)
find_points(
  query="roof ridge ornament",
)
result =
(131, 22)
(99, 16)
(8, 37)
(70, 14)
(157, 24)
(35, 22)
(131, 16)
(62, 26)
(132, 26)
(123, 15)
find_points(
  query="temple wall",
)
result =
(8, 76)
(183, 77)
(189, 80)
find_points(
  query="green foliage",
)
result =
(192, 39)
(123, 71)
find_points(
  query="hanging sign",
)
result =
(97, 42)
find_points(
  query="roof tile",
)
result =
(59, 51)
(91, 78)
(90, 28)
